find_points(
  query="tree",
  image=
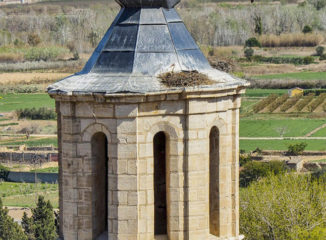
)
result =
(41, 225)
(253, 171)
(27, 224)
(252, 42)
(9, 230)
(318, 4)
(296, 149)
(307, 29)
(285, 206)
(248, 52)
(258, 25)
(320, 50)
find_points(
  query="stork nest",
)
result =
(184, 79)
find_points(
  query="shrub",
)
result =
(244, 158)
(320, 50)
(286, 206)
(308, 60)
(322, 57)
(264, 103)
(33, 39)
(252, 42)
(282, 60)
(18, 43)
(307, 29)
(319, 175)
(248, 52)
(253, 171)
(305, 101)
(296, 149)
(72, 48)
(33, 113)
(44, 54)
(4, 172)
(278, 102)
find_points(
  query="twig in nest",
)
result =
(185, 79)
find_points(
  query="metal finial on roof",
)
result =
(147, 38)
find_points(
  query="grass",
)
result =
(295, 76)
(247, 104)
(47, 170)
(32, 141)
(320, 133)
(26, 194)
(320, 161)
(250, 145)
(274, 127)
(12, 102)
(258, 92)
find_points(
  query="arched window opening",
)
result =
(214, 181)
(100, 160)
(160, 208)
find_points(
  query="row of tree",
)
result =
(209, 24)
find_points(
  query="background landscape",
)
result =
(275, 45)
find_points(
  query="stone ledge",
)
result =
(212, 237)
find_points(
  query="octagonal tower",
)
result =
(139, 160)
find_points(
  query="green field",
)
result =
(296, 76)
(258, 92)
(12, 102)
(274, 127)
(320, 161)
(26, 194)
(32, 141)
(320, 133)
(250, 145)
(47, 170)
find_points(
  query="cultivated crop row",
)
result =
(304, 102)
(319, 100)
(278, 102)
(264, 103)
(290, 103)
(310, 102)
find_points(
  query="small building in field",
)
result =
(140, 159)
(295, 92)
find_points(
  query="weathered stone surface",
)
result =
(187, 121)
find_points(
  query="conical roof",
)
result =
(146, 38)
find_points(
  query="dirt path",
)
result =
(315, 130)
(17, 212)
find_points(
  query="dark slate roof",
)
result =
(140, 44)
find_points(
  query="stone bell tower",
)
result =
(139, 160)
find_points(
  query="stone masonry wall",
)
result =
(130, 125)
